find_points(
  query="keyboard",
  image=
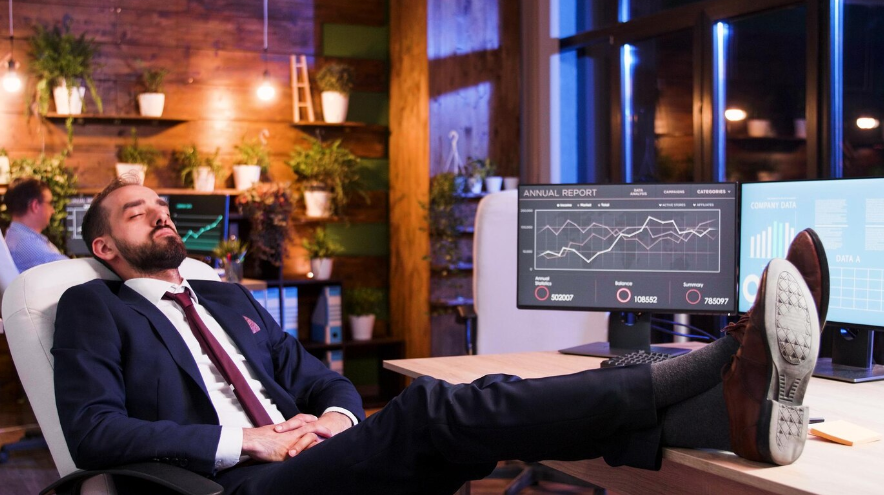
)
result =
(637, 357)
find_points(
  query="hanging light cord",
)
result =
(10, 30)
(265, 38)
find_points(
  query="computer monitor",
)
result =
(634, 249)
(76, 209)
(202, 220)
(848, 215)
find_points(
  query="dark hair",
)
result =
(22, 192)
(95, 221)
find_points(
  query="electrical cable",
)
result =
(672, 332)
(692, 327)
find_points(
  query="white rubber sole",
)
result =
(793, 343)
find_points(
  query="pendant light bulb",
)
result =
(11, 80)
(266, 91)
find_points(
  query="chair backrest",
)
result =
(8, 270)
(29, 308)
(501, 326)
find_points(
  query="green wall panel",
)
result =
(364, 239)
(376, 174)
(351, 41)
(369, 107)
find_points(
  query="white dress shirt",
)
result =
(231, 414)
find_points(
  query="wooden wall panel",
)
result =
(409, 175)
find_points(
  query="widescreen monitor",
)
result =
(627, 248)
(848, 216)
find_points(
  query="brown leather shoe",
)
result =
(809, 256)
(765, 383)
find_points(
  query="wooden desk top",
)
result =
(824, 467)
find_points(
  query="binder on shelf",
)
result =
(260, 296)
(273, 304)
(335, 360)
(290, 313)
(326, 322)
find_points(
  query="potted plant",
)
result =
(444, 222)
(253, 160)
(327, 175)
(362, 304)
(335, 82)
(230, 254)
(136, 159)
(196, 170)
(268, 206)
(481, 170)
(152, 101)
(61, 63)
(320, 250)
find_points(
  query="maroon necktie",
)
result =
(247, 398)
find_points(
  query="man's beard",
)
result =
(155, 255)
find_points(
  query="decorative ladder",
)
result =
(301, 82)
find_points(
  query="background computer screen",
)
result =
(848, 215)
(76, 209)
(202, 220)
(628, 247)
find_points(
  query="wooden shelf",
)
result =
(319, 125)
(461, 266)
(94, 118)
(322, 346)
(451, 303)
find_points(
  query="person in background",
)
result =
(30, 204)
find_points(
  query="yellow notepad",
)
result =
(844, 432)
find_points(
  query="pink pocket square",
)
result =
(254, 326)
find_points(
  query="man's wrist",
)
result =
(341, 410)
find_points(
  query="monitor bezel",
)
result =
(734, 290)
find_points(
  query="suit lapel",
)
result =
(167, 333)
(236, 326)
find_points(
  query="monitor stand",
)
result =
(627, 332)
(851, 359)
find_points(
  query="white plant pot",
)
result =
(204, 179)
(244, 176)
(334, 107)
(151, 104)
(801, 128)
(4, 170)
(136, 170)
(68, 103)
(321, 268)
(474, 185)
(361, 326)
(510, 182)
(318, 204)
(759, 128)
(493, 183)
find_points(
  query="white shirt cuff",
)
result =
(344, 412)
(229, 448)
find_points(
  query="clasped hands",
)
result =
(287, 439)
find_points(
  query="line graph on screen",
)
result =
(667, 240)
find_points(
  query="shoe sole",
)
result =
(792, 346)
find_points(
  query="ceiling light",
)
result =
(867, 123)
(735, 114)
(266, 91)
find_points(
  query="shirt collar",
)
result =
(153, 289)
(24, 229)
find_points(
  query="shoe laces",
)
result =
(735, 329)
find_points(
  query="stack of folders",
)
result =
(326, 325)
(273, 304)
(290, 315)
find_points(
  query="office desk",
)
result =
(824, 467)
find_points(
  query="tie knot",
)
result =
(182, 298)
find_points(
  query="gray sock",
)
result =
(683, 377)
(700, 422)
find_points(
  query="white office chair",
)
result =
(8, 270)
(502, 327)
(29, 308)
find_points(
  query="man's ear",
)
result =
(104, 248)
(34, 205)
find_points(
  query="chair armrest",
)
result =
(174, 478)
(466, 315)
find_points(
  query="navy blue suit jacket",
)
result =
(128, 389)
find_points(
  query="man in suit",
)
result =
(197, 374)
